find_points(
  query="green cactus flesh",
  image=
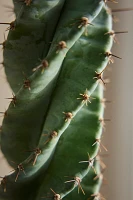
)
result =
(90, 185)
(30, 41)
(35, 30)
(27, 101)
(42, 127)
(69, 142)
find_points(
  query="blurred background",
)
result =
(118, 137)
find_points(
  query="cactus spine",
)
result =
(50, 128)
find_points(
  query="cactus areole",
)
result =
(54, 58)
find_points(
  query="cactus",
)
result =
(53, 126)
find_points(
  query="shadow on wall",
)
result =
(119, 132)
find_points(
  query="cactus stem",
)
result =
(13, 99)
(3, 182)
(98, 196)
(77, 181)
(45, 95)
(51, 136)
(98, 141)
(85, 98)
(90, 161)
(11, 25)
(68, 116)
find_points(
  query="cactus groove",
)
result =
(54, 57)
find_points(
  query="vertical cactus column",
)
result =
(52, 128)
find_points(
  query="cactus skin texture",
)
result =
(50, 126)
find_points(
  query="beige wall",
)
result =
(119, 133)
(118, 137)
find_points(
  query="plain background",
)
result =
(118, 137)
